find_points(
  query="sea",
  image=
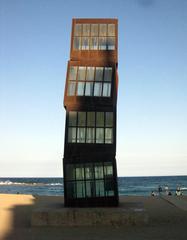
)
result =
(128, 186)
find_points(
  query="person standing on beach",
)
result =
(159, 190)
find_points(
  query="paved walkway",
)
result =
(177, 201)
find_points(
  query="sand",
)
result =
(166, 221)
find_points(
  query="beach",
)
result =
(166, 221)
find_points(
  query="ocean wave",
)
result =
(9, 183)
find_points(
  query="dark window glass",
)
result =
(109, 119)
(80, 89)
(99, 74)
(100, 119)
(93, 43)
(97, 89)
(70, 172)
(90, 135)
(80, 189)
(89, 171)
(102, 43)
(71, 190)
(99, 184)
(106, 90)
(111, 43)
(98, 171)
(108, 135)
(80, 135)
(85, 43)
(71, 134)
(90, 74)
(91, 119)
(82, 119)
(72, 118)
(99, 135)
(109, 187)
(108, 74)
(77, 43)
(79, 172)
(90, 189)
(108, 169)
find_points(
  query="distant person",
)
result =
(169, 193)
(159, 190)
(167, 190)
(178, 192)
(153, 194)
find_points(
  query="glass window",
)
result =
(100, 119)
(108, 169)
(99, 188)
(109, 187)
(109, 119)
(99, 74)
(80, 189)
(77, 29)
(94, 29)
(86, 29)
(108, 74)
(90, 73)
(72, 135)
(71, 190)
(94, 43)
(82, 119)
(102, 43)
(91, 119)
(80, 172)
(98, 171)
(80, 135)
(97, 89)
(77, 43)
(72, 73)
(80, 89)
(102, 29)
(111, 30)
(90, 189)
(81, 73)
(72, 118)
(106, 89)
(70, 172)
(108, 135)
(99, 135)
(89, 171)
(111, 43)
(71, 88)
(85, 43)
(89, 89)
(90, 135)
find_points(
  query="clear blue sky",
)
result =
(152, 103)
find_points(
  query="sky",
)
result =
(152, 112)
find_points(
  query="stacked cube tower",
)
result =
(90, 101)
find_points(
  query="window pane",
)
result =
(81, 135)
(111, 29)
(77, 43)
(86, 29)
(108, 74)
(90, 189)
(72, 118)
(102, 29)
(99, 74)
(89, 171)
(90, 135)
(89, 89)
(72, 73)
(109, 187)
(77, 29)
(94, 43)
(91, 119)
(94, 29)
(108, 135)
(109, 119)
(80, 89)
(71, 190)
(106, 89)
(98, 171)
(111, 43)
(71, 88)
(99, 135)
(72, 135)
(97, 89)
(81, 73)
(80, 173)
(70, 172)
(99, 185)
(90, 73)
(102, 43)
(80, 189)
(108, 169)
(100, 119)
(85, 43)
(82, 119)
